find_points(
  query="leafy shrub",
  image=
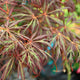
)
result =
(27, 30)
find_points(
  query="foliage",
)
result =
(27, 30)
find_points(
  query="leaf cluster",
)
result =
(27, 30)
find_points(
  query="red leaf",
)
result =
(78, 71)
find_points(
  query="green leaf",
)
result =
(29, 60)
(10, 68)
(20, 14)
(60, 9)
(12, 46)
(16, 22)
(33, 25)
(58, 53)
(42, 51)
(53, 39)
(48, 54)
(56, 20)
(70, 58)
(40, 37)
(34, 54)
(7, 41)
(48, 21)
(28, 26)
(29, 11)
(23, 57)
(44, 42)
(22, 71)
(50, 4)
(44, 6)
(62, 42)
(6, 70)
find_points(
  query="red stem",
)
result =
(2, 10)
